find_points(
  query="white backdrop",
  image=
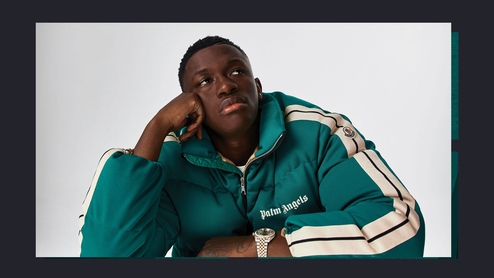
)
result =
(98, 85)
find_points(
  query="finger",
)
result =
(184, 137)
(197, 130)
(199, 119)
(195, 123)
(190, 131)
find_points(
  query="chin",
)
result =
(234, 127)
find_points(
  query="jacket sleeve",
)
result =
(367, 212)
(126, 212)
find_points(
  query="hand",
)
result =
(184, 110)
(243, 246)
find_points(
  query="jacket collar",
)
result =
(272, 126)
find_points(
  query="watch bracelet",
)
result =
(262, 247)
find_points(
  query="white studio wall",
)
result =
(98, 85)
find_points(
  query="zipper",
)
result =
(243, 190)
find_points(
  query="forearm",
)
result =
(243, 246)
(151, 140)
(184, 110)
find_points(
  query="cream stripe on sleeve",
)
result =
(337, 124)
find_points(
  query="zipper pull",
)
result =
(242, 186)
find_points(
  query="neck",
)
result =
(237, 147)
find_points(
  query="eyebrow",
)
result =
(200, 72)
(230, 62)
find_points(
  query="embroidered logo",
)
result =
(349, 132)
(284, 208)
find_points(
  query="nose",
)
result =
(225, 86)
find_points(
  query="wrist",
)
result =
(151, 140)
(278, 247)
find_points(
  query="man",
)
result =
(224, 167)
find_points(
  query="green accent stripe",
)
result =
(454, 206)
(454, 136)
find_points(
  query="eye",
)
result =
(204, 81)
(237, 71)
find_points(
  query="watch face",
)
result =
(265, 232)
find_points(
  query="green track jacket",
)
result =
(313, 173)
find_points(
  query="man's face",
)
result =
(222, 77)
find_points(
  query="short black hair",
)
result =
(201, 44)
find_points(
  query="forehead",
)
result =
(214, 55)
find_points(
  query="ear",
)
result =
(259, 87)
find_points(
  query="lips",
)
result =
(231, 103)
